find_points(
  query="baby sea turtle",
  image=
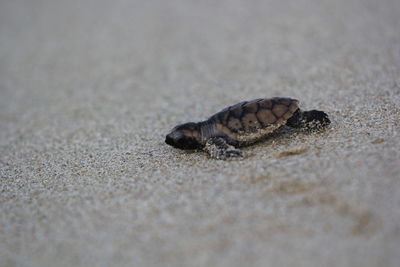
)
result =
(243, 124)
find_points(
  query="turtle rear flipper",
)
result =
(313, 119)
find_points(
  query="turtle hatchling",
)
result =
(243, 124)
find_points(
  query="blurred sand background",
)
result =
(88, 90)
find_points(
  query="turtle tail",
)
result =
(312, 119)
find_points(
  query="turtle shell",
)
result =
(254, 119)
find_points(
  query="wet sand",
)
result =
(88, 90)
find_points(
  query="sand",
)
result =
(88, 90)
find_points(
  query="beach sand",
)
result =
(89, 89)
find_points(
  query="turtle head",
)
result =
(185, 136)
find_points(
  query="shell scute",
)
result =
(236, 110)
(257, 116)
(283, 101)
(266, 103)
(294, 106)
(266, 117)
(251, 107)
(250, 122)
(279, 110)
(235, 125)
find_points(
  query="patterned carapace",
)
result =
(243, 124)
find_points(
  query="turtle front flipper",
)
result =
(313, 119)
(218, 148)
